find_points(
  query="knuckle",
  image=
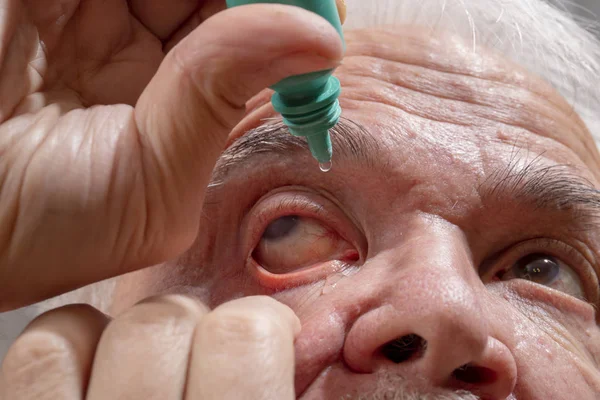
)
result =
(37, 352)
(221, 98)
(259, 301)
(174, 314)
(79, 311)
(242, 325)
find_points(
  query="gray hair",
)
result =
(540, 35)
(390, 386)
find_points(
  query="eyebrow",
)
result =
(350, 140)
(550, 188)
(554, 188)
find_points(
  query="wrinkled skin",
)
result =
(446, 120)
(111, 119)
(428, 240)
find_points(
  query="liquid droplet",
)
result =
(325, 166)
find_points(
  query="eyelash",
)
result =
(283, 204)
(303, 204)
(557, 249)
(296, 201)
(266, 216)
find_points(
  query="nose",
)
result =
(429, 322)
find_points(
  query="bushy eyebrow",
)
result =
(549, 188)
(555, 189)
(350, 141)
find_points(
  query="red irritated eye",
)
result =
(292, 243)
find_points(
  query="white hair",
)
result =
(391, 385)
(542, 36)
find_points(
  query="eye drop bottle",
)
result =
(309, 103)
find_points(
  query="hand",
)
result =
(163, 348)
(107, 142)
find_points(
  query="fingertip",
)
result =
(293, 320)
(187, 302)
(60, 340)
(72, 316)
(342, 10)
(274, 29)
(265, 305)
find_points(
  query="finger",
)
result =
(210, 8)
(52, 358)
(341, 6)
(197, 96)
(165, 17)
(207, 10)
(244, 349)
(162, 17)
(144, 353)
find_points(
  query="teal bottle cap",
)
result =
(309, 103)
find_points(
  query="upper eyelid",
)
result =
(297, 203)
(305, 203)
(294, 206)
(549, 246)
(533, 245)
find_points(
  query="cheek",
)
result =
(324, 312)
(556, 348)
(547, 367)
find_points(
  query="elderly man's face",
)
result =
(453, 246)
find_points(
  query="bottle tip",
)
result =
(325, 166)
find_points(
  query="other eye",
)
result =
(546, 270)
(291, 243)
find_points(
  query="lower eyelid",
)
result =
(294, 279)
(305, 204)
(533, 293)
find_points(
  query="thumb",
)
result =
(198, 95)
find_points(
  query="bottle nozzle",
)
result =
(320, 146)
(309, 102)
(313, 117)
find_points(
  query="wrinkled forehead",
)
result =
(443, 93)
(443, 88)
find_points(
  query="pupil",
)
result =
(281, 227)
(539, 268)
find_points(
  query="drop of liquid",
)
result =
(325, 166)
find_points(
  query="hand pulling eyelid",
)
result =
(309, 103)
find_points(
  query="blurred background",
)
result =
(592, 5)
(586, 8)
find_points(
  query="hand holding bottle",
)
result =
(107, 141)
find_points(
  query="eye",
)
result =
(292, 243)
(538, 268)
(546, 270)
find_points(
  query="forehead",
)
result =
(455, 103)
(445, 117)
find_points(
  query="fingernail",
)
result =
(341, 5)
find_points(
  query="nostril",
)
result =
(473, 374)
(404, 348)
